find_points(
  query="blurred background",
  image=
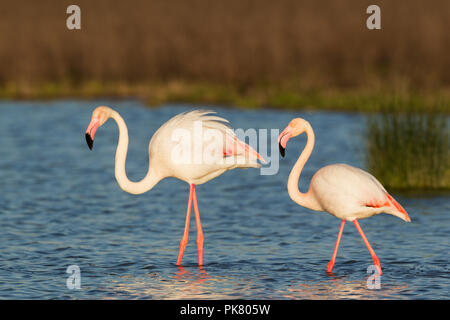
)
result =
(284, 54)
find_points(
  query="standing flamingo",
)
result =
(346, 192)
(164, 162)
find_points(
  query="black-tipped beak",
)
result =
(282, 150)
(89, 141)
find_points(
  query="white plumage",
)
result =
(350, 193)
(184, 151)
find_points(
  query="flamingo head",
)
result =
(99, 117)
(296, 127)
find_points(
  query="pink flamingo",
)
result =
(346, 192)
(163, 162)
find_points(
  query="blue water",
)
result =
(60, 205)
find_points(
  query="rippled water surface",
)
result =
(60, 205)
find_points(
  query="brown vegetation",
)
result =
(232, 40)
(246, 43)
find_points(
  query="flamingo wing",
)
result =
(203, 144)
(232, 146)
(236, 147)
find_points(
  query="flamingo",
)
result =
(346, 192)
(163, 163)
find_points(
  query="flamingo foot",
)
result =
(330, 266)
(183, 244)
(377, 264)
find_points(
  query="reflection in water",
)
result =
(340, 288)
(196, 283)
(183, 284)
(192, 283)
(183, 274)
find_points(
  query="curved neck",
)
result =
(304, 199)
(149, 181)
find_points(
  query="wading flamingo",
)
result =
(346, 192)
(164, 161)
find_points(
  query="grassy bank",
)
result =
(408, 151)
(287, 95)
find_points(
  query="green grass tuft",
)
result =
(409, 150)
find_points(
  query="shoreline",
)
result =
(278, 97)
(397, 112)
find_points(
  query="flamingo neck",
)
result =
(151, 178)
(304, 199)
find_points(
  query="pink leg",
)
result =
(184, 240)
(376, 261)
(336, 246)
(199, 230)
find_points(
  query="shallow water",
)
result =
(60, 205)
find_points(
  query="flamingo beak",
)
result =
(90, 132)
(283, 138)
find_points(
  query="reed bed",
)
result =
(409, 150)
(249, 52)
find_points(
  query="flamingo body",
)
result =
(163, 149)
(350, 193)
